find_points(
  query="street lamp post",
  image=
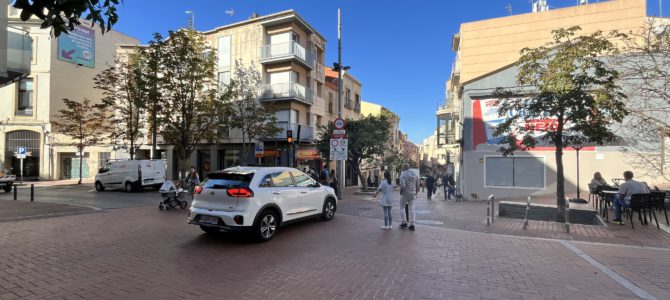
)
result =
(339, 68)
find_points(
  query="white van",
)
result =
(130, 175)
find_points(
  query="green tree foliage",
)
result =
(82, 122)
(124, 87)
(368, 140)
(569, 82)
(63, 15)
(190, 98)
(243, 111)
(152, 57)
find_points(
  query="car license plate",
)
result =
(209, 219)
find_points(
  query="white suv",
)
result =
(259, 200)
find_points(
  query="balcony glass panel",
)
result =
(287, 50)
(19, 50)
(287, 90)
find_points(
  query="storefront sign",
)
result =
(485, 120)
(268, 153)
(308, 154)
(78, 46)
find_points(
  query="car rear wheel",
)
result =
(99, 187)
(329, 209)
(128, 187)
(266, 226)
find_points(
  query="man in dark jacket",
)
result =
(430, 185)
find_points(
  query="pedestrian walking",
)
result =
(192, 180)
(386, 201)
(324, 175)
(409, 187)
(333, 183)
(451, 187)
(430, 185)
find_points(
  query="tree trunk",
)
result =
(132, 149)
(560, 182)
(81, 163)
(357, 169)
(243, 153)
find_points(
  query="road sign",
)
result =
(339, 132)
(339, 149)
(259, 149)
(339, 123)
(21, 150)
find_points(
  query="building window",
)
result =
(24, 105)
(521, 172)
(330, 103)
(357, 104)
(318, 121)
(318, 89)
(347, 99)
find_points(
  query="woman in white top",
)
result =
(387, 199)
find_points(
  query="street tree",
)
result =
(62, 16)
(567, 82)
(84, 123)
(125, 90)
(368, 140)
(645, 69)
(394, 159)
(244, 112)
(152, 57)
(189, 93)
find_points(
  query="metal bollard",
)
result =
(15, 192)
(525, 223)
(32, 192)
(488, 211)
(567, 215)
(492, 203)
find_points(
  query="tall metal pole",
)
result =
(660, 8)
(339, 166)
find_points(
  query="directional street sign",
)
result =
(338, 149)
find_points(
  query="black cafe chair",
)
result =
(640, 203)
(604, 201)
(592, 194)
(657, 200)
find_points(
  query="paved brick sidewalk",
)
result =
(11, 210)
(471, 216)
(142, 253)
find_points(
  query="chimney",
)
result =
(254, 15)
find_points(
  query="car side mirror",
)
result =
(316, 184)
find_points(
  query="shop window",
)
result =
(520, 172)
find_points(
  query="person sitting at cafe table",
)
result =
(626, 190)
(598, 180)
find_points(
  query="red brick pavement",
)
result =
(471, 216)
(141, 253)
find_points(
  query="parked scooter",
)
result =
(172, 197)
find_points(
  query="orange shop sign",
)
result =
(307, 154)
(268, 153)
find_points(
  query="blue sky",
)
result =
(400, 50)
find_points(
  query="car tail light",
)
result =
(240, 192)
(198, 189)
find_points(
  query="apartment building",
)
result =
(485, 46)
(60, 68)
(352, 89)
(288, 53)
(394, 140)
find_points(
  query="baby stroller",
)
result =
(172, 197)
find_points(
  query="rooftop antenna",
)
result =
(191, 19)
(508, 8)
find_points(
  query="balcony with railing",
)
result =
(287, 51)
(19, 55)
(287, 91)
(306, 132)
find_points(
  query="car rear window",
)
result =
(227, 180)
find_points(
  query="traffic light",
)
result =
(289, 136)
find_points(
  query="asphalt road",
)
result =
(88, 196)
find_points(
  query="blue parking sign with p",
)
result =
(21, 150)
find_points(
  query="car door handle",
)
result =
(211, 193)
(276, 193)
(303, 192)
